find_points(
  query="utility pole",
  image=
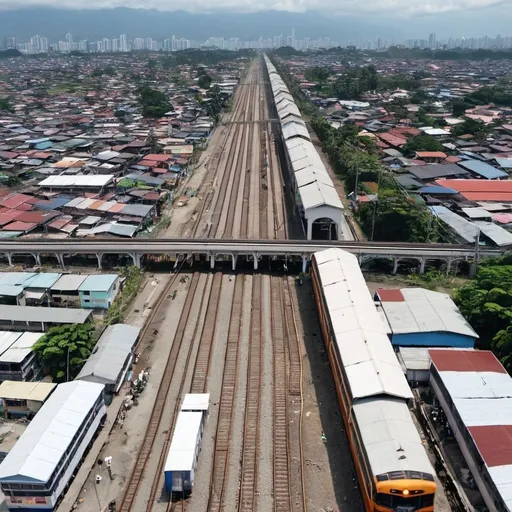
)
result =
(357, 184)
(375, 206)
(477, 246)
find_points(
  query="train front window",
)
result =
(404, 504)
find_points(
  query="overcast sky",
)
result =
(402, 8)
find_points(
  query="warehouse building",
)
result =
(475, 394)
(424, 318)
(111, 358)
(23, 399)
(36, 319)
(43, 461)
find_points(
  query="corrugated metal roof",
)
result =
(44, 315)
(21, 348)
(16, 278)
(7, 338)
(43, 280)
(426, 311)
(181, 456)
(465, 361)
(317, 194)
(466, 230)
(107, 360)
(40, 448)
(476, 213)
(365, 350)
(390, 437)
(15, 390)
(498, 235)
(98, 283)
(78, 180)
(482, 169)
(69, 282)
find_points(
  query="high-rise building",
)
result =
(432, 43)
(69, 38)
(123, 43)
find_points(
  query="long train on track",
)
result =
(392, 466)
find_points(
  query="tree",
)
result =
(73, 343)
(471, 126)
(421, 143)
(154, 103)
(152, 141)
(204, 81)
(5, 105)
(459, 107)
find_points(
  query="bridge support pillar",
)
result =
(304, 263)
(176, 262)
(60, 259)
(212, 261)
(99, 255)
(472, 269)
(233, 261)
(9, 258)
(37, 257)
(448, 266)
(255, 256)
(395, 265)
(421, 269)
(136, 259)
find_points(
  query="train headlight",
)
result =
(405, 492)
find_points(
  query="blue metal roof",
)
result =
(98, 283)
(435, 189)
(482, 169)
(43, 280)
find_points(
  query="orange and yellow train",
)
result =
(392, 466)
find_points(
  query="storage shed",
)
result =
(111, 357)
(20, 399)
(99, 291)
(424, 318)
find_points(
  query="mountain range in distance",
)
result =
(95, 24)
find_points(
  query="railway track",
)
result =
(158, 408)
(282, 499)
(219, 472)
(248, 490)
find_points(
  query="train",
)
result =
(392, 466)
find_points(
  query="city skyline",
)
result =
(38, 44)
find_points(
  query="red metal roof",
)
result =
(386, 295)
(481, 190)
(494, 442)
(20, 226)
(465, 361)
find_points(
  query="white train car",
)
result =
(186, 444)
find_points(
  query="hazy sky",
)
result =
(401, 8)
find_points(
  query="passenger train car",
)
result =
(392, 466)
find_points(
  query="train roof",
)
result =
(363, 345)
(390, 437)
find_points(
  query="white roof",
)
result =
(182, 452)
(502, 477)
(18, 390)
(69, 282)
(312, 174)
(21, 348)
(295, 129)
(196, 402)
(318, 194)
(79, 180)
(40, 448)
(7, 338)
(390, 437)
(364, 347)
(426, 311)
(499, 236)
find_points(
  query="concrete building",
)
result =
(98, 291)
(424, 318)
(21, 399)
(36, 471)
(475, 394)
(17, 360)
(37, 319)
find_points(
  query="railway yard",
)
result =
(273, 436)
(241, 194)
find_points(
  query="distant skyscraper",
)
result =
(69, 38)
(432, 43)
(123, 43)
(293, 38)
